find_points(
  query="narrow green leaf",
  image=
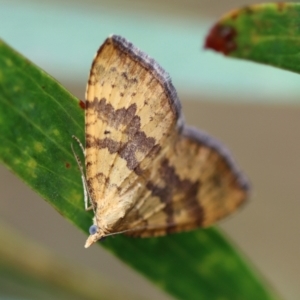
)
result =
(37, 119)
(266, 33)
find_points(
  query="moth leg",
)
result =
(84, 183)
(79, 143)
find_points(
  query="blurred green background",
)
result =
(252, 108)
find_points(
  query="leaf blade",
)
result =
(266, 33)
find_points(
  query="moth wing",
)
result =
(131, 111)
(195, 184)
(146, 171)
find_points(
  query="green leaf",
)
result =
(266, 33)
(37, 119)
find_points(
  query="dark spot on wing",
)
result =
(124, 74)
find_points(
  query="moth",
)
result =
(146, 172)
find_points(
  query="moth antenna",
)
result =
(133, 229)
(140, 228)
(86, 192)
(119, 232)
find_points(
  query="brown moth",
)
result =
(147, 172)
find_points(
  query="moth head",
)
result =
(95, 234)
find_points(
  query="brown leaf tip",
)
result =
(82, 104)
(221, 38)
